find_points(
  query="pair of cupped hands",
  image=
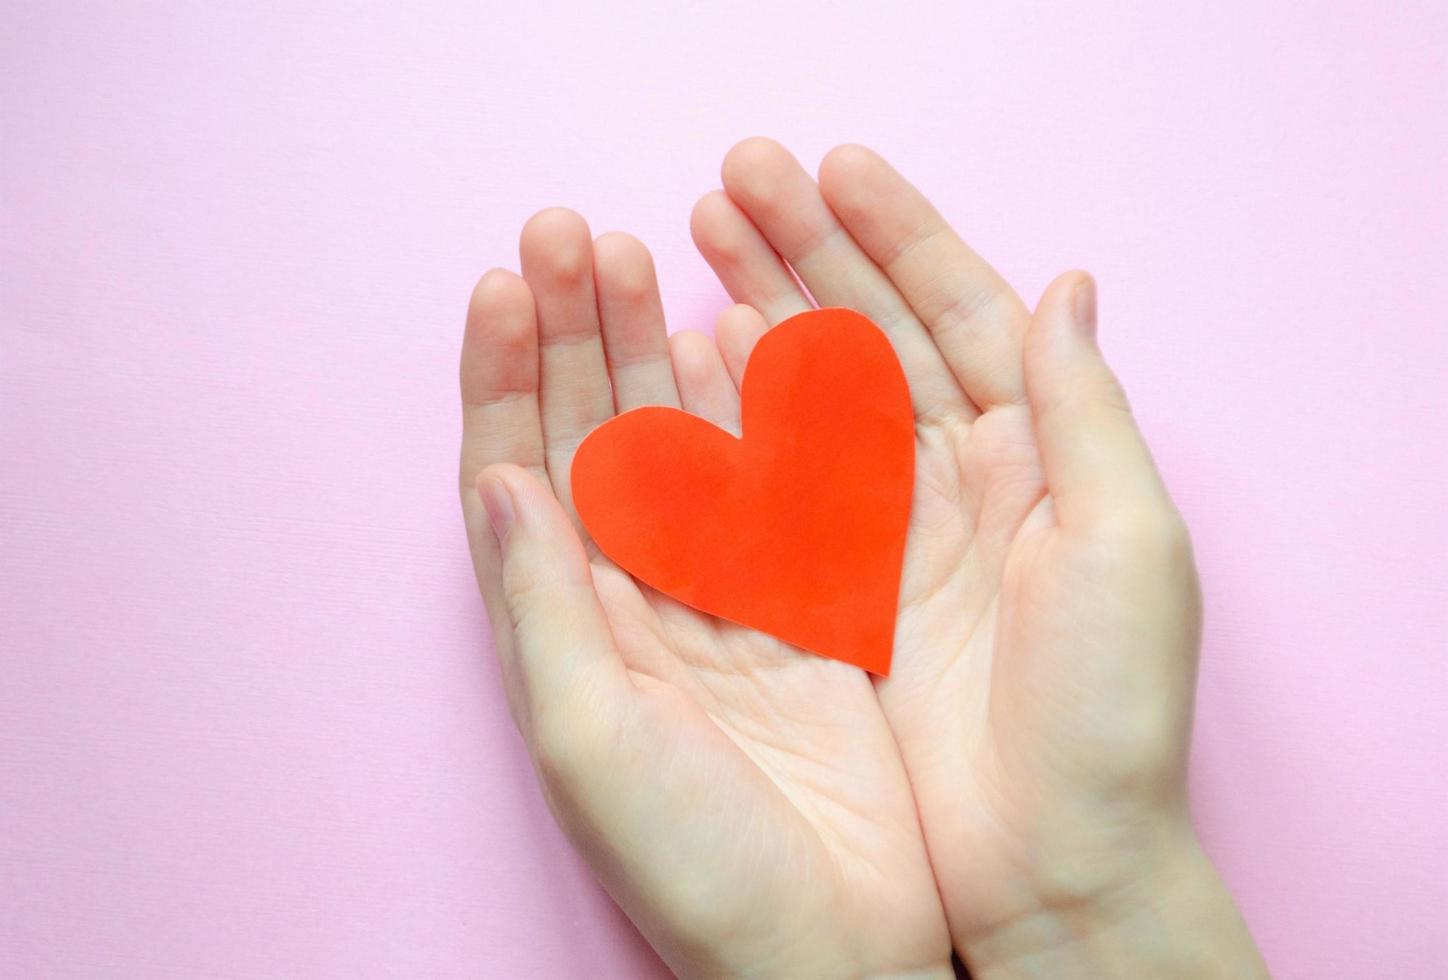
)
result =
(1014, 792)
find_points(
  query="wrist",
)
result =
(823, 966)
(1174, 918)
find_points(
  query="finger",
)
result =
(562, 651)
(704, 385)
(736, 332)
(498, 372)
(785, 204)
(631, 316)
(748, 268)
(977, 320)
(574, 393)
(1096, 462)
(499, 379)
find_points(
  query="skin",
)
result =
(1015, 790)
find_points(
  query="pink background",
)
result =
(248, 721)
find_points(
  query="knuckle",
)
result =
(1151, 534)
(1081, 389)
(576, 738)
(1110, 395)
(964, 314)
(522, 586)
(1100, 390)
(556, 749)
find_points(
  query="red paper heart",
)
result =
(798, 528)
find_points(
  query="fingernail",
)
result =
(499, 505)
(1083, 306)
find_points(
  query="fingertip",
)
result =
(1059, 295)
(501, 478)
(624, 266)
(857, 183)
(736, 331)
(705, 388)
(750, 152)
(752, 166)
(1095, 459)
(493, 489)
(728, 240)
(1083, 304)
(691, 352)
(740, 318)
(1065, 314)
(555, 219)
(712, 214)
(524, 500)
(498, 290)
(556, 245)
(847, 165)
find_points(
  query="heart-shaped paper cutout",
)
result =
(798, 528)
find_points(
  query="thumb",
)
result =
(1095, 459)
(561, 641)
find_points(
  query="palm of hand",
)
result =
(786, 783)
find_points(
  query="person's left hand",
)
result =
(1049, 617)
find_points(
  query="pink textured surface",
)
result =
(248, 724)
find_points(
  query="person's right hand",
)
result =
(744, 802)
(1045, 651)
